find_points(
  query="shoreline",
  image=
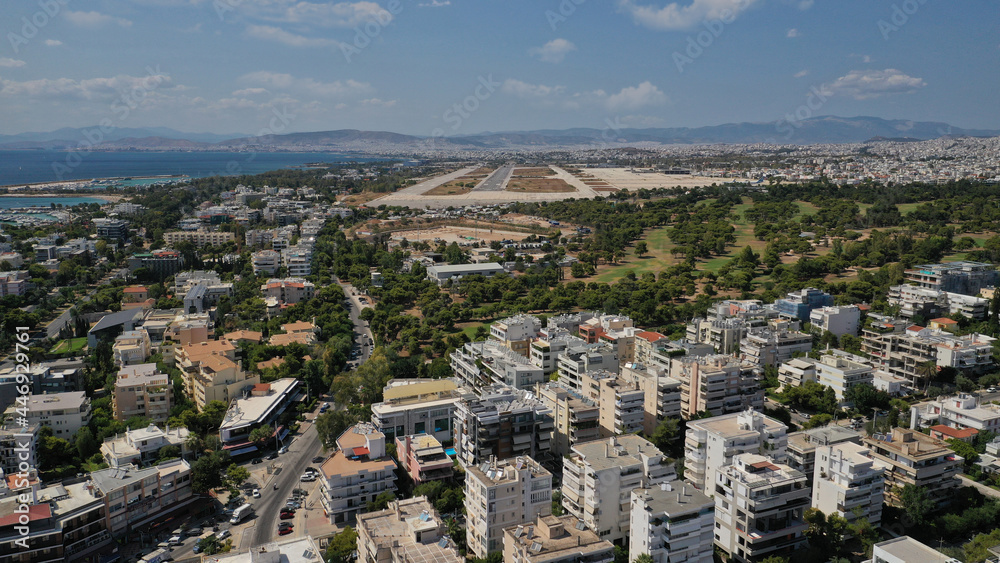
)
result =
(58, 183)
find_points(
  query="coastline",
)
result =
(108, 198)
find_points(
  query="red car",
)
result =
(286, 516)
(284, 532)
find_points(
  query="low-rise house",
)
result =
(141, 447)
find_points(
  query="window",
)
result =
(420, 428)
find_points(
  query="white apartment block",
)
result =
(502, 422)
(902, 350)
(840, 371)
(930, 303)
(516, 332)
(672, 522)
(417, 406)
(958, 411)
(288, 290)
(711, 444)
(544, 352)
(585, 358)
(759, 506)
(500, 494)
(356, 473)
(65, 413)
(771, 346)
(599, 477)
(265, 262)
(802, 445)
(199, 237)
(481, 364)
(575, 418)
(847, 482)
(796, 372)
(142, 446)
(661, 394)
(724, 335)
(912, 458)
(838, 320)
(905, 549)
(718, 384)
(131, 347)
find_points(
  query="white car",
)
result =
(223, 535)
(256, 493)
(283, 450)
(991, 390)
(308, 477)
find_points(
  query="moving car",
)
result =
(283, 450)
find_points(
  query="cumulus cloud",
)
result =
(95, 19)
(792, 33)
(375, 102)
(805, 4)
(680, 15)
(10, 63)
(341, 14)
(251, 92)
(89, 89)
(865, 84)
(802, 73)
(278, 35)
(554, 51)
(307, 86)
(435, 4)
(525, 90)
(53, 42)
(635, 97)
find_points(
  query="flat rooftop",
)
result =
(388, 526)
(557, 538)
(297, 550)
(628, 450)
(908, 549)
(253, 409)
(71, 400)
(729, 425)
(675, 498)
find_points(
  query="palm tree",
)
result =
(195, 444)
(927, 370)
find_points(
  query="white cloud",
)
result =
(525, 90)
(805, 4)
(53, 42)
(375, 102)
(341, 14)
(307, 86)
(10, 63)
(95, 19)
(802, 73)
(278, 35)
(251, 92)
(89, 89)
(435, 4)
(635, 97)
(792, 33)
(554, 51)
(676, 16)
(866, 84)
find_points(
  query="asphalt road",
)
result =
(360, 327)
(267, 508)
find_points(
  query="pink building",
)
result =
(423, 458)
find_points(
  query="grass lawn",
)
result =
(69, 346)
(470, 328)
(657, 258)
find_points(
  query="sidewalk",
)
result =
(988, 491)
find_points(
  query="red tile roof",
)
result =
(954, 432)
(35, 512)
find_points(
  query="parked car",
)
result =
(223, 535)
(274, 455)
(283, 525)
(256, 460)
(318, 459)
(256, 493)
(286, 515)
(284, 532)
(991, 390)
(307, 477)
(283, 450)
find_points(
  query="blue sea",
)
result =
(34, 166)
(12, 202)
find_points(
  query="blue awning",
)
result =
(243, 450)
(283, 433)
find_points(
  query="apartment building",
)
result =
(408, 530)
(773, 345)
(848, 482)
(500, 494)
(645, 344)
(516, 332)
(759, 506)
(356, 473)
(141, 390)
(418, 406)
(502, 422)
(141, 446)
(544, 352)
(661, 394)
(962, 277)
(912, 458)
(840, 371)
(796, 372)
(114, 229)
(298, 260)
(930, 303)
(131, 347)
(905, 549)
(837, 320)
(578, 360)
(212, 372)
(958, 411)
(265, 405)
(265, 262)
(555, 539)
(621, 404)
(199, 238)
(799, 304)
(18, 447)
(672, 522)
(802, 445)
(65, 413)
(905, 351)
(14, 283)
(135, 498)
(423, 458)
(160, 263)
(711, 444)
(482, 364)
(259, 237)
(599, 477)
(718, 384)
(288, 291)
(575, 419)
(65, 522)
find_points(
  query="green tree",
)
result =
(169, 451)
(641, 248)
(381, 501)
(966, 450)
(206, 472)
(917, 503)
(643, 558)
(342, 545)
(86, 444)
(666, 433)
(260, 436)
(236, 475)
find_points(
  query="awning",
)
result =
(283, 433)
(361, 451)
(242, 451)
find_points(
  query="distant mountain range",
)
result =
(824, 129)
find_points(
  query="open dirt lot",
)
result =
(537, 172)
(626, 179)
(458, 234)
(463, 184)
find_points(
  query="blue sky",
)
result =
(454, 67)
